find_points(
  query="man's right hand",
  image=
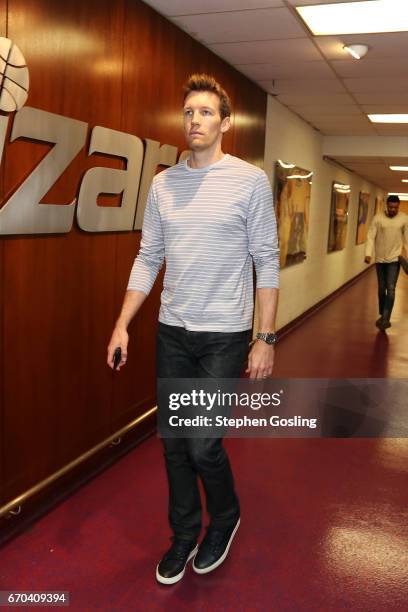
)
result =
(120, 337)
(367, 259)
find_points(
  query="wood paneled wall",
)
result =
(120, 65)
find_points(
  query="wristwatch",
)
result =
(268, 337)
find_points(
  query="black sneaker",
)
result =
(214, 548)
(173, 565)
(379, 322)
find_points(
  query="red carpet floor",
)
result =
(324, 522)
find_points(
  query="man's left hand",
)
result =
(260, 360)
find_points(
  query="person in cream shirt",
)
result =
(386, 238)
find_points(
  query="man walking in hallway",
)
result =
(387, 235)
(210, 217)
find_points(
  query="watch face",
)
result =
(271, 338)
(268, 338)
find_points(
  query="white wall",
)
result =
(302, 285)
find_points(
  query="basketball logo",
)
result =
(14, 77)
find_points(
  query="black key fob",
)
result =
(117, 356)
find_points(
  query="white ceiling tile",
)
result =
(379, 170)
(363, 171)
(371, 68)
(397, 161)
(392, 187)
(381, 46)
(362, 159)
(385, 182)
(374, 85)
(301, 86)
(286, 70)
(391, 130)
(376, 170)
(171, 8)
(263, 24)
(317, 111)
(347, 125)
(267, 51)
(382, 182)
(325, 119)
(311, 98)
(339, 131)
(376, 109)
(381, 97)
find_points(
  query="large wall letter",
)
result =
(94, 218)
(3, 131)
(23, 213)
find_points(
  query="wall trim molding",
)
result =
(46, 494)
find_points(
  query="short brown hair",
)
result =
(206, 82)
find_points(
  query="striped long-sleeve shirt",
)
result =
(209, 224)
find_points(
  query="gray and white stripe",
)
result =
(209, 224)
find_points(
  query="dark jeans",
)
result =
(387, 275)
(189, 354)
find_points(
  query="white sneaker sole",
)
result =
(212, 567)
(179, 576)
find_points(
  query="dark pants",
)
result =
(387, 275)
(188, 354)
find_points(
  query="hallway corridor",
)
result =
(341, 340)
(324, 522)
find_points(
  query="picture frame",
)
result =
(362, 219)
(292, 192)
(340, 198)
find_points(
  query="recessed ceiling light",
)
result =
(366, 17)
(388, 118)
(399, 168)
(404, 180)
(357, 51)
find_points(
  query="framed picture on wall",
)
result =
(338, 216)
(363, 204)
(292, 202)
(379, 205)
